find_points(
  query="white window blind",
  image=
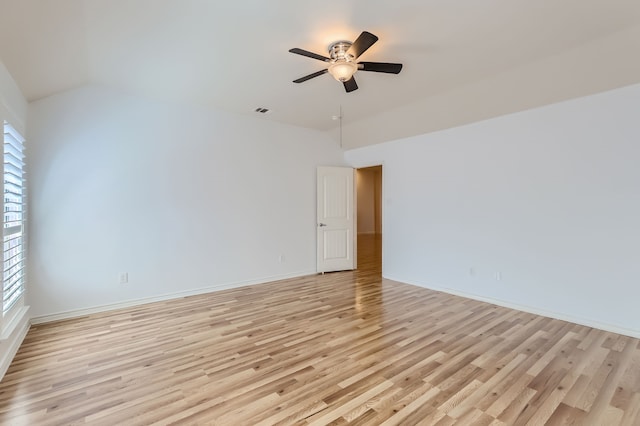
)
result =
(14, 216)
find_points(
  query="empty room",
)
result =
(341, 212)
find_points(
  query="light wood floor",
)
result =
(334, 349)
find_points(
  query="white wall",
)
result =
(13, 105)
(182, 199)
(13, 326)
(549, 198)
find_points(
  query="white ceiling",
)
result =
(233, 55)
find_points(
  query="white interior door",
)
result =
(336, 219)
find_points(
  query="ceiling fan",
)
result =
(343, 63)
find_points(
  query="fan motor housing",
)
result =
(338, 50)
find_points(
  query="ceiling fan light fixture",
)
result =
(342, 69)
(342, 62)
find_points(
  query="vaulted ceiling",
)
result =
(464, 60)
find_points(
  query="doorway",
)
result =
(369, 217)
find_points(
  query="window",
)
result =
(13, 258)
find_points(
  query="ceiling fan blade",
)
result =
(310, 76)
(362, 43)
(350, 85)
(309, 54)
(380, 67)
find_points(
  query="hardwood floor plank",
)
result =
(339, 348)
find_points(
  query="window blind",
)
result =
(14, 217)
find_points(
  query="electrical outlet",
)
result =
(472, 272)
(281, 258)
(124, 277)
(498, 276)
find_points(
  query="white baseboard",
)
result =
(12, 338)
(135, 302)
(524, 308)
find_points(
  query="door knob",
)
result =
(322, 224)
